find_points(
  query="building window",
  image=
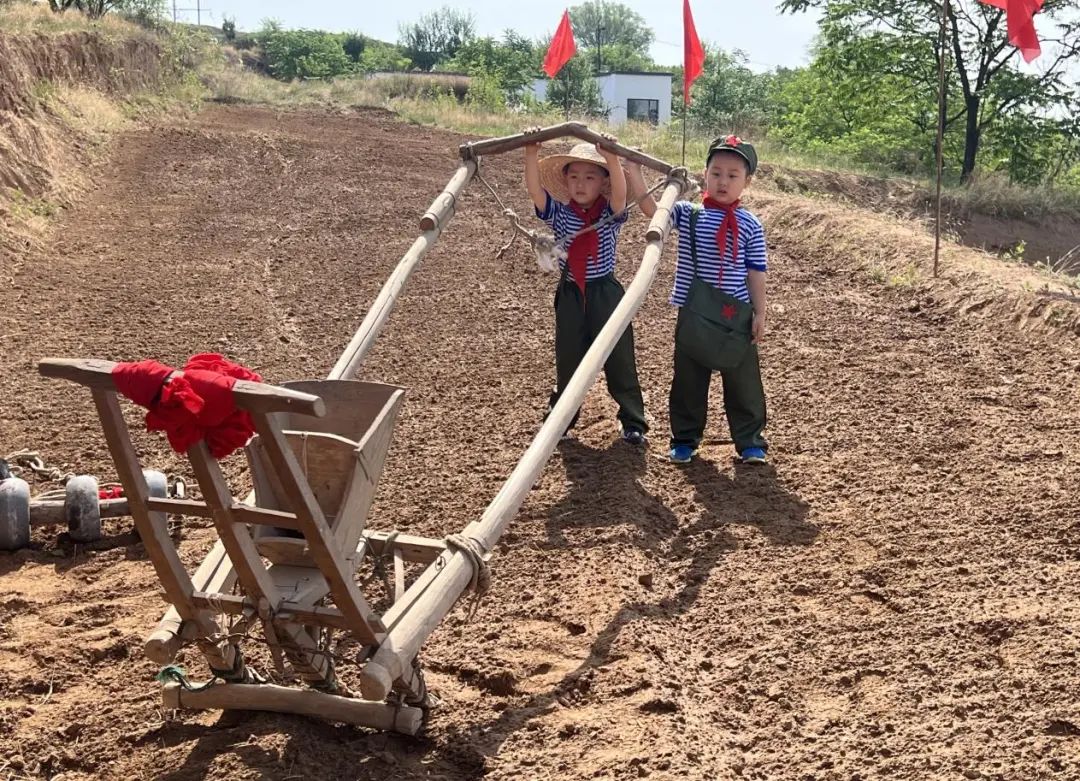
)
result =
(643, 110)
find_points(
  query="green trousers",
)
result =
(577, 322)
(744, 401)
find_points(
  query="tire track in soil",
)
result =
(895, 596)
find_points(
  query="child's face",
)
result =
(726, 177)
(584, 181)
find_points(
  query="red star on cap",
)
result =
(728, 311)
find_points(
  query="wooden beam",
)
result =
(192, 507)
(444, 205)
(153, 530)
(235, 536)
(305, 702)
(426, 603)
(52, 511)
(495, 146)
(237, 605)
(260, 516)
(420, 550)
(252, 396)
(214, 575)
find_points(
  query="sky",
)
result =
(755, 26)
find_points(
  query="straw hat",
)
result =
(554, 180)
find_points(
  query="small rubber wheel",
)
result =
(14, 513)
(82, 508)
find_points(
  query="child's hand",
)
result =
(757, 330)
(610, 157)
(532, 145)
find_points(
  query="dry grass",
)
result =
(898, 253)
(997, 196)
(229, 82)
(22, 17)
(87, 111)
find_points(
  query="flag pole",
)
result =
(684, 108)
(942, 57)
(566, 97)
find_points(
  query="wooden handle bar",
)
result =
(252, 396)
(495, 146)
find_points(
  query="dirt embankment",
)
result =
(53, 89)
(1045, 238)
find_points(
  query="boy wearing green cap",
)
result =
(720, 291)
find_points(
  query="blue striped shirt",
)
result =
(752, 254)
(565, 223)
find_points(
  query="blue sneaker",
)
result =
(753, 455)
(682, 454)
(634, 436)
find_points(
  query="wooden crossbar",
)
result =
(255, 397)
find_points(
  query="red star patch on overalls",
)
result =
(728, 311)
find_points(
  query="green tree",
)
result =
(600, 24)
(864, 121)
(379, 56)
(353, 44)
(303, 54)
(728, 96)
(436, 36)
(510, 63)
(991, 88)
(574, 89)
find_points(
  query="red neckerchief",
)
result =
(730, 225)
(585, 245)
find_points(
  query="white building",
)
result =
(641, 96)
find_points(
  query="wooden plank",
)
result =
(364, 623)
(305, 702)
(399, 574)
(252, 396)
(234, 604)
(495, 146)
(421, 550)
(370, 458)
(192, 507)
(426, 603)
(258, 516)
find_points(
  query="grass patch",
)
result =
(20, 18)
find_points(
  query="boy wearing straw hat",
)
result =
(582, 198)
(720, 291)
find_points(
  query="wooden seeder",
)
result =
(288, 554)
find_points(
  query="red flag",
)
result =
(562, 47)
(693, 54)
(1020, 19)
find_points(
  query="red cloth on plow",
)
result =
(193, 407)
